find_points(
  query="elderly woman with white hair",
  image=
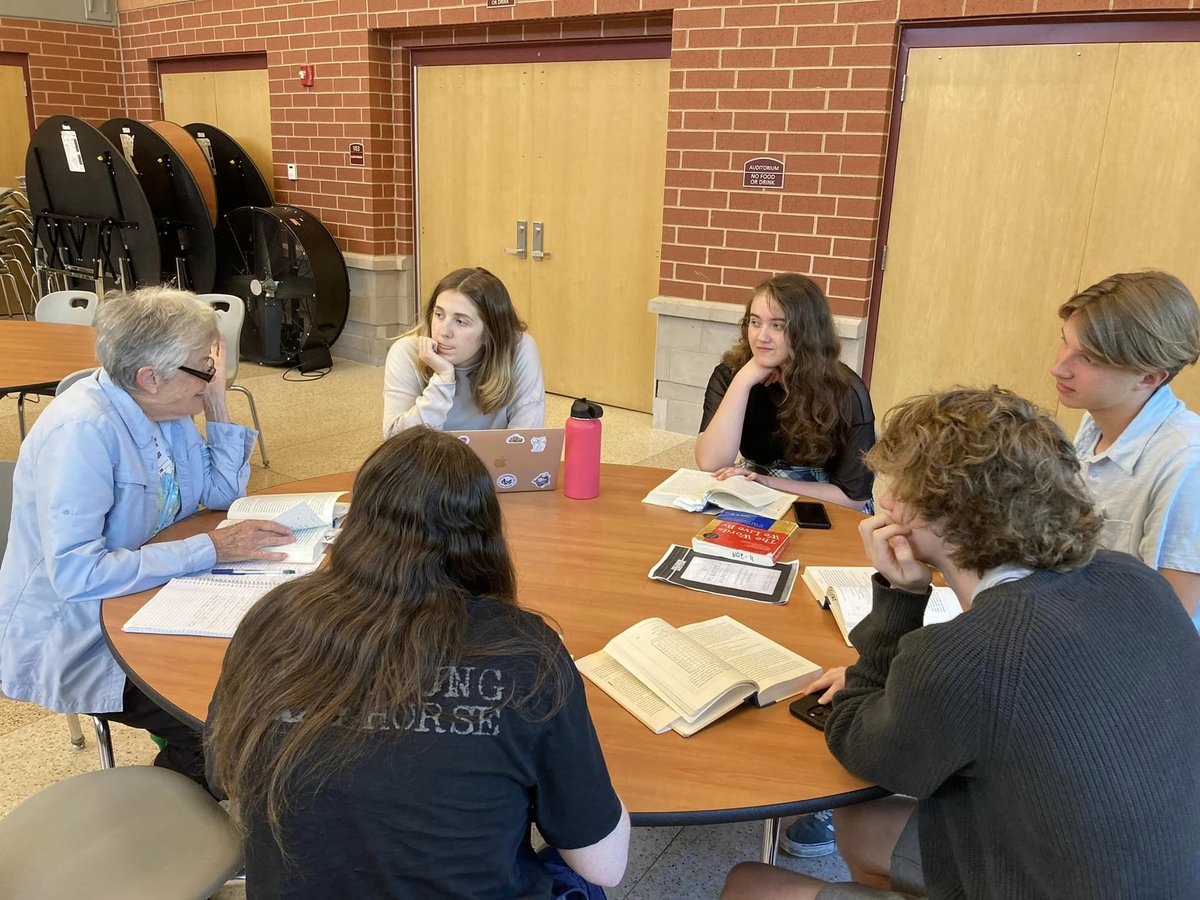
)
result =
(109, 464)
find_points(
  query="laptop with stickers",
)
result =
(519, 459)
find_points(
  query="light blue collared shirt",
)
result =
(1001, 574)
(1148, 484)
(85, 500)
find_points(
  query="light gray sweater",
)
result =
(449, 405)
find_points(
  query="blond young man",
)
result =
(1123, 340)
(1022, 727)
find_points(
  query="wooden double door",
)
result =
(576, 152)
(1025, 174)
(237, 101)
(14, 123)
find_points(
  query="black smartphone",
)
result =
(809, 710)
(810, 515)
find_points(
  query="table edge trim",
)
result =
(755, 813)
(163, 703)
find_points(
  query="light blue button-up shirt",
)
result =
(1148, 484)
(85, 500)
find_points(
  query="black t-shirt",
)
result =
(440, 803)
(761, 441)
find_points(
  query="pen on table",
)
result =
(252, 571)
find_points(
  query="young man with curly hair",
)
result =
(1123, 340)
(1048, 734)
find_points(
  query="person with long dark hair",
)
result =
(392, 724)
(468, 365)
(800, 418)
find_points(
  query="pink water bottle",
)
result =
(581, 463)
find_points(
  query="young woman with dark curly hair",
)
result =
(799, 417)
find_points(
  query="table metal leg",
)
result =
(770, 844)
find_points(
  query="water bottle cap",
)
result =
(585, 409)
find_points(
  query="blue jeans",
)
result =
(781, 468)
(568, 884)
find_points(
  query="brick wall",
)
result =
(73, 69)
(311, 127)
(362, 90)
(808, 81)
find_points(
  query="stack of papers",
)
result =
(726, 577)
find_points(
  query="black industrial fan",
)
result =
(287, 268)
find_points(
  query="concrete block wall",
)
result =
(383, 305)
(693, 335)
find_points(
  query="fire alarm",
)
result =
(307, 75)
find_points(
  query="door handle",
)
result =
(539, 232)
(519, 250)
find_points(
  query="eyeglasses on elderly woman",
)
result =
(206, 376)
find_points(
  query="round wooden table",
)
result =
(585, 564)
(41, 354)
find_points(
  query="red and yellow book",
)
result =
(732, 537)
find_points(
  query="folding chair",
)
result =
(231, 313)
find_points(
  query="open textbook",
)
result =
(311, 517)
(696, 491)
(205, 605)
(846, 592)
(686, 678)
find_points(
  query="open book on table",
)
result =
(696, 491)
(686, 678)
(312, 518)
(846, 592)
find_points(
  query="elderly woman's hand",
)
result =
(215, 409)
(245, 540)
(220, 361)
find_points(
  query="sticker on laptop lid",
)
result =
(541, 480)
(506, 481)
(515, 439)
(537, 444)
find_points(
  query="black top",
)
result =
(763, 444)
(1050, 733)
(440, 803)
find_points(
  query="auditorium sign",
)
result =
(763, 172)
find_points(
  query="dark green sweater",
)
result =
(1051, 734)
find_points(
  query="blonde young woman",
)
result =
(468, 365)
